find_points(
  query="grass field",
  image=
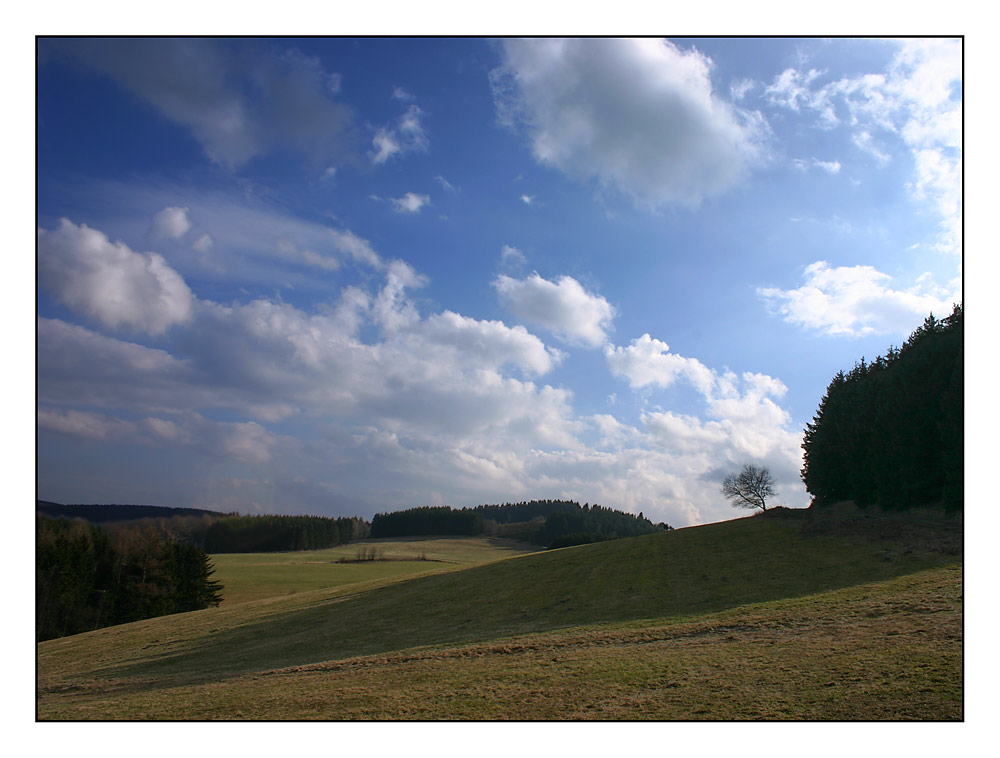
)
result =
(254, 576)
(784, 616)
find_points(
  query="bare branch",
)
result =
(750, 488)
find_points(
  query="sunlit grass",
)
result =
(254, 576)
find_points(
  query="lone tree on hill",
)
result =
(750, 488)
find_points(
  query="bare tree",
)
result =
(750, 488)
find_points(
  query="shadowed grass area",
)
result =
(678, 575)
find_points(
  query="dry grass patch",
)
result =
(889, 650)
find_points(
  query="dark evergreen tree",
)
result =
(891, 431)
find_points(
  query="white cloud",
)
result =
(831, 167)
(360, 249)
(638, 116)
(563, 307)
(110, 283)
(204, 243)
(88, 425)
(411, 202)
(865, 142)
(235, 234)
(791, 89)
(649, 362)
(428, 412)
(915, 104)
(406, 136)
(855, 301)
(527, 199)
(171, 222)
(249, 442)
(511, 256)
(402, 407)
(286, 248)
(385, 145)
(492, 344)
(740, 89)
(236, 105)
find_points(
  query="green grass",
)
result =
(254, 576)
(784, 567)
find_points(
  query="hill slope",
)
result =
(680, 574)
(888, 650)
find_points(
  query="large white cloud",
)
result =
(365, 404)
(638, 116)
(563, 307)
(110, 283)
(855, 301)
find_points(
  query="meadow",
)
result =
(848, 616)
(254, 576)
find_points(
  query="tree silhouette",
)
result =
(750, 488)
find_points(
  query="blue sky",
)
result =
(343, 276)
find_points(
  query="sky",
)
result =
(345, 276)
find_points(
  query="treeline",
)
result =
(87, 577)
(265, 534)
(890, 431)
(99, 514)
(216, 532)
(414, 522)
(577, 526)
(554, 523)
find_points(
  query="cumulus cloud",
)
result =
(649, 362)
(411, 202)
(171, 222)
(394, 406)
(235, 104)
(741, 420)
(563, 307)
(855, 301)
(638, 116)
(110, 283)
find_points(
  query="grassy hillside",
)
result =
(884, 651)
(680, 577)
(254, 576)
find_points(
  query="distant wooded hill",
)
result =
(890, 432)
(554, 523)
(102, 514)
